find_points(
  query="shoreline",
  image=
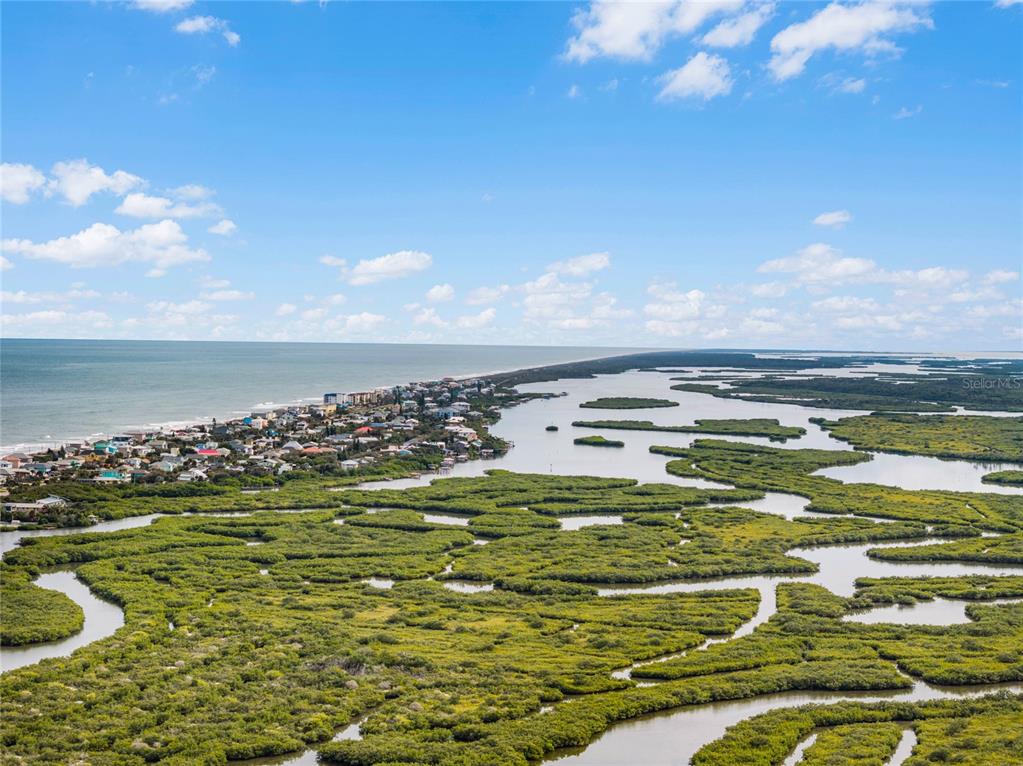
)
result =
(516, 376)
(40, 446)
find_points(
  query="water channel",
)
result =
(670, 738)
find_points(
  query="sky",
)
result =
(844, 175)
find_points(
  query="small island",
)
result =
(765, 427)
(627, 403)
(551, 428)
(1008, 478)
(598, 441)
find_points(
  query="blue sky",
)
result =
(801, 175)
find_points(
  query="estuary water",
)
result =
(62, 390)
(669, 738)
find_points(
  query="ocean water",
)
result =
(60, 390)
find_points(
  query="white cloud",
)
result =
(845, 304)
(330, 260)
(905, 113)
(769, 290)
(672, 305)
(704, 76)
(998, 276)
(42, 323)
(605, 306)
(362, 323)
(5, 263)
(404, 263)
(1007, 3)
(18, 181)
(141, 205)
(836, 219)
(162, 244)
(481, 295)
(440, 293)
(161, 6)
(852, 85)
(428, 315)
(314, 315)
(335, 300)
(637, 30)
(77, 180)
(861, 26)
(201, 25)
(21, 297)
(228, 295)
(581, 265)
(286, 309)
(476, 321)
(487, 198)
(549, 298)
(192, 192)
(739, 30)
(573, 92)
(225, 227)
(820, 264)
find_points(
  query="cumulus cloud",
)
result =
(476, 321)
(162, 244)
(440, 293)
(5, 263)
(428, 315)
(481, 295)
(201, 25)
(581, 265)
(865, 27)
(740, 30)
(547, 297)
(44, 323)
(286, 309)
(228, 295)
(18, 182)
(998, 276)
(403, 263)
(141, 205)
(361, 323)
(670, 304)
(192, 192)
(78, 180)
(161, 6)
(836, 219)
(820, 264)
(225, 227)
(630, 30)
(845, 304)
(703, 76)
(769, 290)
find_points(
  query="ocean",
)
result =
(63, 390)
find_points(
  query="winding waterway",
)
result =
(670, 738)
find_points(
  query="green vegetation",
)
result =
(768, 427)
(974, 732)
(627, 403)
(791, 470)
(232, 650)
(551, 428)
(970, 437)
(29, 614)
(1011, 478)
(598, 441)
(918, 393)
